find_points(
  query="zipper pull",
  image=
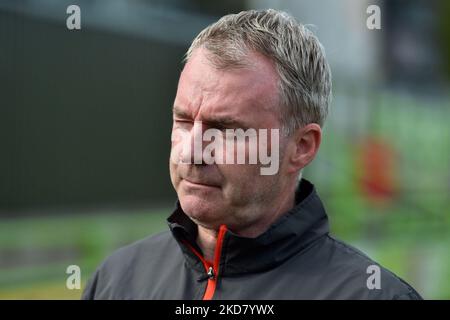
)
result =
(211, 273)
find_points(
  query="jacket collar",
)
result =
(292, 232)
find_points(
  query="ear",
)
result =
(304, 146)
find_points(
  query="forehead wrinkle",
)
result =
(219, 91)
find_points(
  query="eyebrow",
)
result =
(180, 113)
(218, 122)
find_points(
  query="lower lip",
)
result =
(199, 184)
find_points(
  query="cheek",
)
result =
(174, 175)
(239, 178)
(175, 147)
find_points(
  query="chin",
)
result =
(202, 211)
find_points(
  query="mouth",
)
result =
(199, 184)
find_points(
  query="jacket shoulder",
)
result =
(127, 266)
(147, 248)
(363, 276)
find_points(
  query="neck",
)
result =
(206, 240)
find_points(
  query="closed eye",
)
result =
(185, 124)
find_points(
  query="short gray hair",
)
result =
(304, 74)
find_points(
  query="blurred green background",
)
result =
(86, 117)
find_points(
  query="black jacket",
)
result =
(295, 258)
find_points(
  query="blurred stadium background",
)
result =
(85, 132)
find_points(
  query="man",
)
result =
(237, 233)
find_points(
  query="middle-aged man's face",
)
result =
(245, 97)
